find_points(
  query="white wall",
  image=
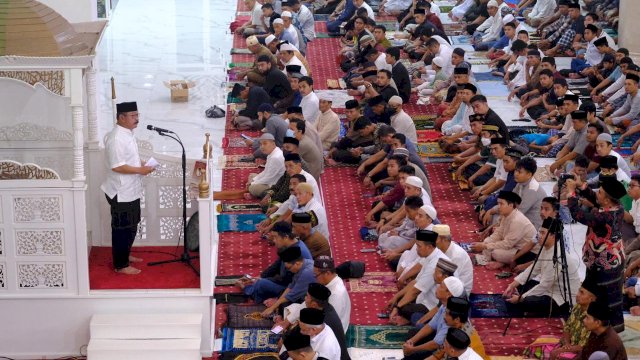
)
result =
(32, 328)
(74, 11)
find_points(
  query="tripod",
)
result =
(185, 257)
(559, 244)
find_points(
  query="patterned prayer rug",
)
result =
(375, 354)
(249, 340)
(247, 316)
(233, 142)
(521, 333)
(338, 97)
(377, 337)
(252, 356)
(233, 207)
(428, 135)
(431, 150)
(236, 162)
(485, 76)
(228, 280)
(240, 65)
(490, 306)
(424, 124)
(374, 281)
(239, 222)
(461, 40)
(240, 51)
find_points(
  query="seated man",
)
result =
(430, 337)
(328, 123)
(529, 190)
(317, 298)
(302, 269)
(272, 124)
(280, 211)
(393, 199)
(254, 75)
(514, 233)
(325, 271)
(302, 224)
(258, 184)
(413, 298)
(604, 147)
(401, 121)
(400, 236)
(405, 259)
(307, 203)
(457, 254)
(307, 148)
(458, 345)
(543, 293)
(254, 96)
(459, 126)
(323, 340)
(341, 151)
(276, 277)
(457, 318)
(627, 116)
(275, 83)
(498, 151)
(577, 141)
(603, 337)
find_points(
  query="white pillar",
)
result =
(77, 113)
(628, 33)
(92, 108)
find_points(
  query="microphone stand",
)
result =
(185, 257)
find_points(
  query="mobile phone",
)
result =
(277, 329)
(383, 315)
(367, 250)
(246, 137)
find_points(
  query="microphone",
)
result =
(159, 130)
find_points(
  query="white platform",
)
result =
(167, 349)
(146, 326)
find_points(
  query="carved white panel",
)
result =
(142, 230)
(39, 242)
(41, 275)
(33, 132)
(3, 275)
(170, 197)
(37, 209)
(170, 228)
(1, 242)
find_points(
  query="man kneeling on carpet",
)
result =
(415, 297)
(317, 298)
(323, 340)
(544, 294)
(275, 279)
(510, 241)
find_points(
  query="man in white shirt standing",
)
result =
(310, 103)
(258, 184)
(123, 186)
(325, 271)
(401, 121)
(254, 26)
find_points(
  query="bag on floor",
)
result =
(215, 112)
(351, 270)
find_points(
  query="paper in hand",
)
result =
(152, 162)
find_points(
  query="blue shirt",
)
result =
(538, 139)
(502, 43)
(615, 75)
(440, 326)
(286, 36)
(300, 283)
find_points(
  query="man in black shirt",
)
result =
(480, 107)
(399, 73)
(460, 78)
(276, 84)
(247, 118)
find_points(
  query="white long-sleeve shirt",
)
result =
(314, 206)
(310, 109)
(328, 127)
(615, 86)
(493, 33)
(273, 169)
(464, 272)
(307, 23)
(403, 124)
(445, 53)
(629, 110)
(543, 9)
(551, 277)
(425, 282)
(340, 300)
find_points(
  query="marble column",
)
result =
(628, 33)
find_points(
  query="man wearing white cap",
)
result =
(258, 184)
(290, 29)
(457, 254)
(489, 31)
(288, 57)
(401, 121)
(281, 33)
(409, 257)
(413, 187)
(435, 80)
(328, 123)
(253, 74)
(254, 25)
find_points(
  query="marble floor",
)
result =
(178, 39)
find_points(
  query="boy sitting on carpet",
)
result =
(403, 234)
(405, 259)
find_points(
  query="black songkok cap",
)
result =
(427, 236)
(612, 186)
(458, 305)
(599, 310)
(319, 292)
(458, 338)
(592, 286)
(351, 104)
(578, 115)
(312, 316)
(571, 97)
(633, 77)
(237, 88)
(461, 71)
(574, 5)
(470, 86)
(291, 140)
(292, 157)
(361, 123)
(127, 107)
(290, 254)
(609, 162)
(498, 140)
(296, 341)
(601, 42)
(593, 28)
(376, 100)
(301, 218)
(394, 52)
(293, 68)
(510, 196)
(294, 110)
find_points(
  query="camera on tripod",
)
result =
(564, 177)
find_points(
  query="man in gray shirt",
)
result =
(577, 142)
(529, 190)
